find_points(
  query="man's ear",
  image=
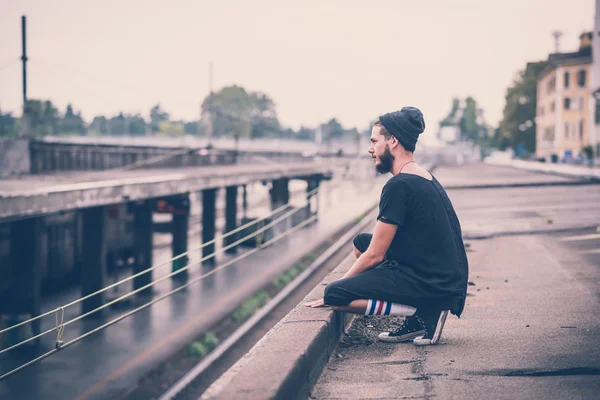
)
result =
(394, 142)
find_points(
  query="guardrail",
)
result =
(51, 157)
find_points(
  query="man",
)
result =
(414, 264)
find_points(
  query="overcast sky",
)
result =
(319, 59)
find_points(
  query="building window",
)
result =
(597, 116)
(551, 85)
(566, 79)
(580, 103)
(581, 78)
(580, 129)
(566, 130)
(552, 107)
(567, 103)
(541, 110)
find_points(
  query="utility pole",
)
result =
(24, 120)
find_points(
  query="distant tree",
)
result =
(191, 128)
(287, 133)
(467, 118)
(121, 124)
(332, 129)
(450, 119)
(470, 129)
(137, 125)
(72, 122)
(229, 112)
(8, 125)
(263, 116)
(100, 125)
(157, 115)
(234, 112)
(518, 118)
(171, 128)
(305, 133)
(42, 118)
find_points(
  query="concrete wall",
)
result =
(14, 157)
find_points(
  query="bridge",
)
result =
(63, 204)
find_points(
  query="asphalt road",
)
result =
(531, 326)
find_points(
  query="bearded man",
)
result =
(414, 264)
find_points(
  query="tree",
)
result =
(191, 128)
(332, 130)
(8, 125)
(72, 122)
(263, 116)
(157, 115)
(100, 125)
(42, 117)
(118, 125)
(469, 127)
(465, 122)
(137, 125)
(234, 112)
(450, 119)
(305, 133)
(518, 118)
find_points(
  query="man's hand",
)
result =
(316, 303)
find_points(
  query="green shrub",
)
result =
(197, 349)
(250, 305)
(210, 341)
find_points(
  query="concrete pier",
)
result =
(209, 214)
(93, 267)
(143, 243)
(231, 194)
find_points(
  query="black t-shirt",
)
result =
(428, 245)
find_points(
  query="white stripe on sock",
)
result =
(368, 310)
(401, 309)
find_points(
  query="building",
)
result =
(563, 117)
(594, 113)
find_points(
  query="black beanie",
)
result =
(406, 125)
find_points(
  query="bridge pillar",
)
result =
(27, 257)
(209, 213)
(244, 201)
(93, 267)
(142, 243)
(179, 229)
(280, 195)
(231, 195)
(312, 199)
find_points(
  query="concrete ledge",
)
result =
(572, 171)
(34, 196)
(287, 361)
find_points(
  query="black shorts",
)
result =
(384, 282)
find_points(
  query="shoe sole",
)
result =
(384, 337)
(421, 341)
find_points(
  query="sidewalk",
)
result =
(529, 330)
(575, 171)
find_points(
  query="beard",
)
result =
(386, 161)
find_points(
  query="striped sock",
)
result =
(379, 307)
